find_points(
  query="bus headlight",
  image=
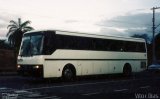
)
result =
(18, 66)
(36, 67)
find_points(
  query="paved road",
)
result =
(141, 85)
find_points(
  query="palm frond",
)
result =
(11, 25)
(14, 23)
(25, 23)
(9, 33)
(28, 28)
(13, 28)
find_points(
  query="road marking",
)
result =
(52, 97)
(73, 85)
(143, 87)
(88, 94)
(120, 90)
(3, 88)
(21, 91)
(24, 94)
(28, 94)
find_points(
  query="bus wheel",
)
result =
(67, 74)
(127, 70)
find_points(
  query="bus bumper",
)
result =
(30, 70)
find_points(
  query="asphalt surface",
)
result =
(144, 85)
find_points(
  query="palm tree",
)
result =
(16, 30)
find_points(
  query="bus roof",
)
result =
(72, 33)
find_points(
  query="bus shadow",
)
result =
(79, 79)
(93, 78)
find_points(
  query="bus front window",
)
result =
(31, 45)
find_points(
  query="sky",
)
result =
(108, 17)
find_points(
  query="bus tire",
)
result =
(127, 70)
(68, 73)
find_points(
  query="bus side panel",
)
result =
(101, 67)
(51, 69)
(108, 67)
(87, 67)
(54, 68)
(136, 66)
(97, 67)
(116, 66)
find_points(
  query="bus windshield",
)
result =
(32, 45)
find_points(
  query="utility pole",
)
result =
(153, 41)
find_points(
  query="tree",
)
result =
(16, 31)
(144, 36)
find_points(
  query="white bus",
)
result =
(55, 53)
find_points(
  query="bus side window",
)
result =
(131, 46)
(114, 45)
(59, 42)
(81, 43)
(70, 42)
(93, 44)
(49, 43)
(140, 47)
(99, 44)
(118, 45)
(108, 44)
